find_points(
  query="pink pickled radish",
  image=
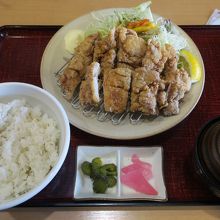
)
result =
(136, 166)
(135, 159)
(137, 175)
(137, 181)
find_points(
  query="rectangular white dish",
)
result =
(121, 157)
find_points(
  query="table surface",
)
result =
(60, 12)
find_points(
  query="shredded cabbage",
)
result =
(165, 33)
(166, 37)
(168, 34)
(103, 24)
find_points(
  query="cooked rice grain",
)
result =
(29, 148)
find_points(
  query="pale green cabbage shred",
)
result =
(164, 34)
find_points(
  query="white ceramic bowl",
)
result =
(49, 104)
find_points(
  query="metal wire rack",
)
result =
(99, 111)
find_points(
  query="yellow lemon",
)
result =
(191, 63)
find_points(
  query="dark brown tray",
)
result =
(21, 48)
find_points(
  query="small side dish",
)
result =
(139, 173)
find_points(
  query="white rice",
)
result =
(28, 148)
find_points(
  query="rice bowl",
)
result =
(52, 113)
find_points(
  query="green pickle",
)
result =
(97, 162)
(86, 168)
(102, 175)
(110, 167)
(100, 185)
(111, 181)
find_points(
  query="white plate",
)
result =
(55, 56)
(120, 156)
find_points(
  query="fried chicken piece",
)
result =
(122, 33)
(155, 57)
(162, 84)
(179, 76)
(115, 99)
(134, 46)
(131, 47)
(144, 89)
(89, 88)
(79, 63)
(141, 78)
(175, 91)
(86, 47)
(179, 83)
(75, 70)
(116, 86)
(124, 65)
(83, 54)
(123, 57)
(162, 99)
(108, 61)
(73, 75)
(104, 45)
(185, 77)
(69, 81)
(145, 101)
(169, 101)
(172, 108)
(172, 58)
(119, 77)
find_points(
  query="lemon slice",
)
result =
(191, 64)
